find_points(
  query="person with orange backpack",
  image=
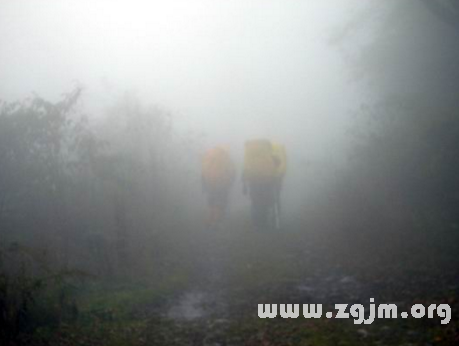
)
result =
(218, 174)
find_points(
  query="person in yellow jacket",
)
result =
(218, 174)
(259, 180)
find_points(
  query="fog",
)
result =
(231, 70)
(108, 110)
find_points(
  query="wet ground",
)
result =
(237, 271)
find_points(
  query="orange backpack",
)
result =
(217, 167)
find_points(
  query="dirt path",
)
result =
(235, 271)
(225, 290)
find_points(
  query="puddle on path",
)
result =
(190, 306)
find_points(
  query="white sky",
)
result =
(231, 69)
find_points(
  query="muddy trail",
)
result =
(234, 271)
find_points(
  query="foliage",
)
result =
(98, 203)
(33, 294)
(403, 170)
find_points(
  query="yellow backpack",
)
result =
(259, 161)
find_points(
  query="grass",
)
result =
(261, 268)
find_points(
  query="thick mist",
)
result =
(166, 166)
(230, 71)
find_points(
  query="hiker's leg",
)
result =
(256, 195)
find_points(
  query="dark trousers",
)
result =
(263, 196)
